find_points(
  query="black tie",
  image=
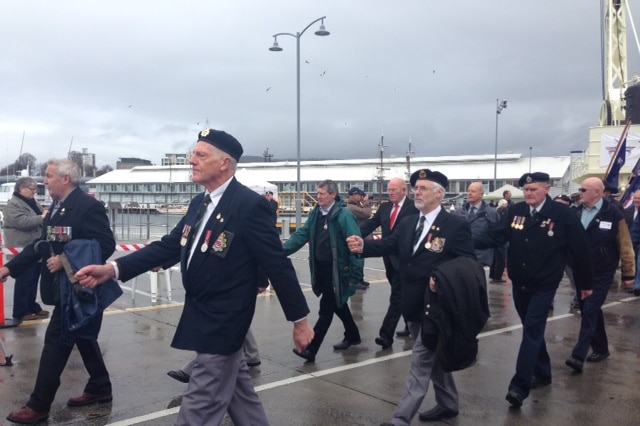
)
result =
(472, 213)
(203, 208)
(534, 212)
(418, 233)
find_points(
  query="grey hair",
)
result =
(331, 186)
(67, 168)
(24, 182)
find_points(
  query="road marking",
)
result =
(329, 371)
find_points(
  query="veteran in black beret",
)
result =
(224, 241)
(422, 242)
(541, 234)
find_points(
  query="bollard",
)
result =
(4, 323)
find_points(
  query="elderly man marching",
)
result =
(541, 234)
(610, 243)
(423, 242)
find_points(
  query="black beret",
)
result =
(427, 174)
(222, 141)
(269, 193)
(613, 190)
(533, 177)
(563, 197)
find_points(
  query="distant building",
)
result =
(175, 159)
(125, 163)
(172, 184)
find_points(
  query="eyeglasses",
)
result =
(583, 189)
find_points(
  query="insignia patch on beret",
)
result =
(422, 174)
(528, 179)
(205, 133)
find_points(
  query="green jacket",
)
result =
(347, 268)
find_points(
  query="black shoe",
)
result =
(636, 292)
(306, 354)
(384, 342)
(574, 363)
(179, 375)
(254, 364)
(345, 344)
(514, 399)
(498, 280)
(437, 413)
(594, 357)
(539, 382)
(403, 333)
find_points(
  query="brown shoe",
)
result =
(88, 399)
(31, 317)
(43, 314)
(27, 416)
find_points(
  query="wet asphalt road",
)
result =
(359, 386)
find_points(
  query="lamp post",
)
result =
(276, 48)
(500, 105)
(530, 151)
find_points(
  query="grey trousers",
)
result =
(250, 348)
(424, 367)
(221, 384)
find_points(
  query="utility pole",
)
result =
(267, 156)
(381, 168)
(409, 155)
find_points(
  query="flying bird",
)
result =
(323, 73)
(130, 106)
(268, 88)
(306, 62)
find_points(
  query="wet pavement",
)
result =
(359, 386)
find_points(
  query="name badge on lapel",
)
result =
(221, 245)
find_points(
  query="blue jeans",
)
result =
(533, 359)
(592, 332)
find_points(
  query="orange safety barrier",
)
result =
(4, 323)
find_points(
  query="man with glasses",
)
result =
(541, 233)
(422, 242)
(610, 243)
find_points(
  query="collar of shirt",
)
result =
(215, 199)
(477, 206)
(326, 212)
(429, 218)
(538, 208)
(589, 213)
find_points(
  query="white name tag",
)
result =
(605, 225)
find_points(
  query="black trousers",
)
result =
(53, 360)
(328, 307)
(394, 311)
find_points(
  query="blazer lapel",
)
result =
(215, 226)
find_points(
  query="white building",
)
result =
(158, 185)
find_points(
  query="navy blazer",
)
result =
(87, 219)
(450, 237)
(222, 282)
(382, 219)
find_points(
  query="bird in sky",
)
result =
(268, 88)
(306, 61)
(323, 73)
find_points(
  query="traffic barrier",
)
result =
(4, 323)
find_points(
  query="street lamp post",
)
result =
(500, 105)
(276, 48)
(530, 153)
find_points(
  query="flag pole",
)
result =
(623, 137)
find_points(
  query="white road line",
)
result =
(303, 377)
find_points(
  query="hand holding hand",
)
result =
(355, 243)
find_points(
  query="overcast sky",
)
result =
(140, 78)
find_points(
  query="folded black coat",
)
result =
(464, 310)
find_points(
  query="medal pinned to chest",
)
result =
(434, 243)
(549, 225)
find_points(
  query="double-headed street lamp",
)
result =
(500, 105)
(276, 48)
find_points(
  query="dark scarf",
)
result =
(30, 201)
